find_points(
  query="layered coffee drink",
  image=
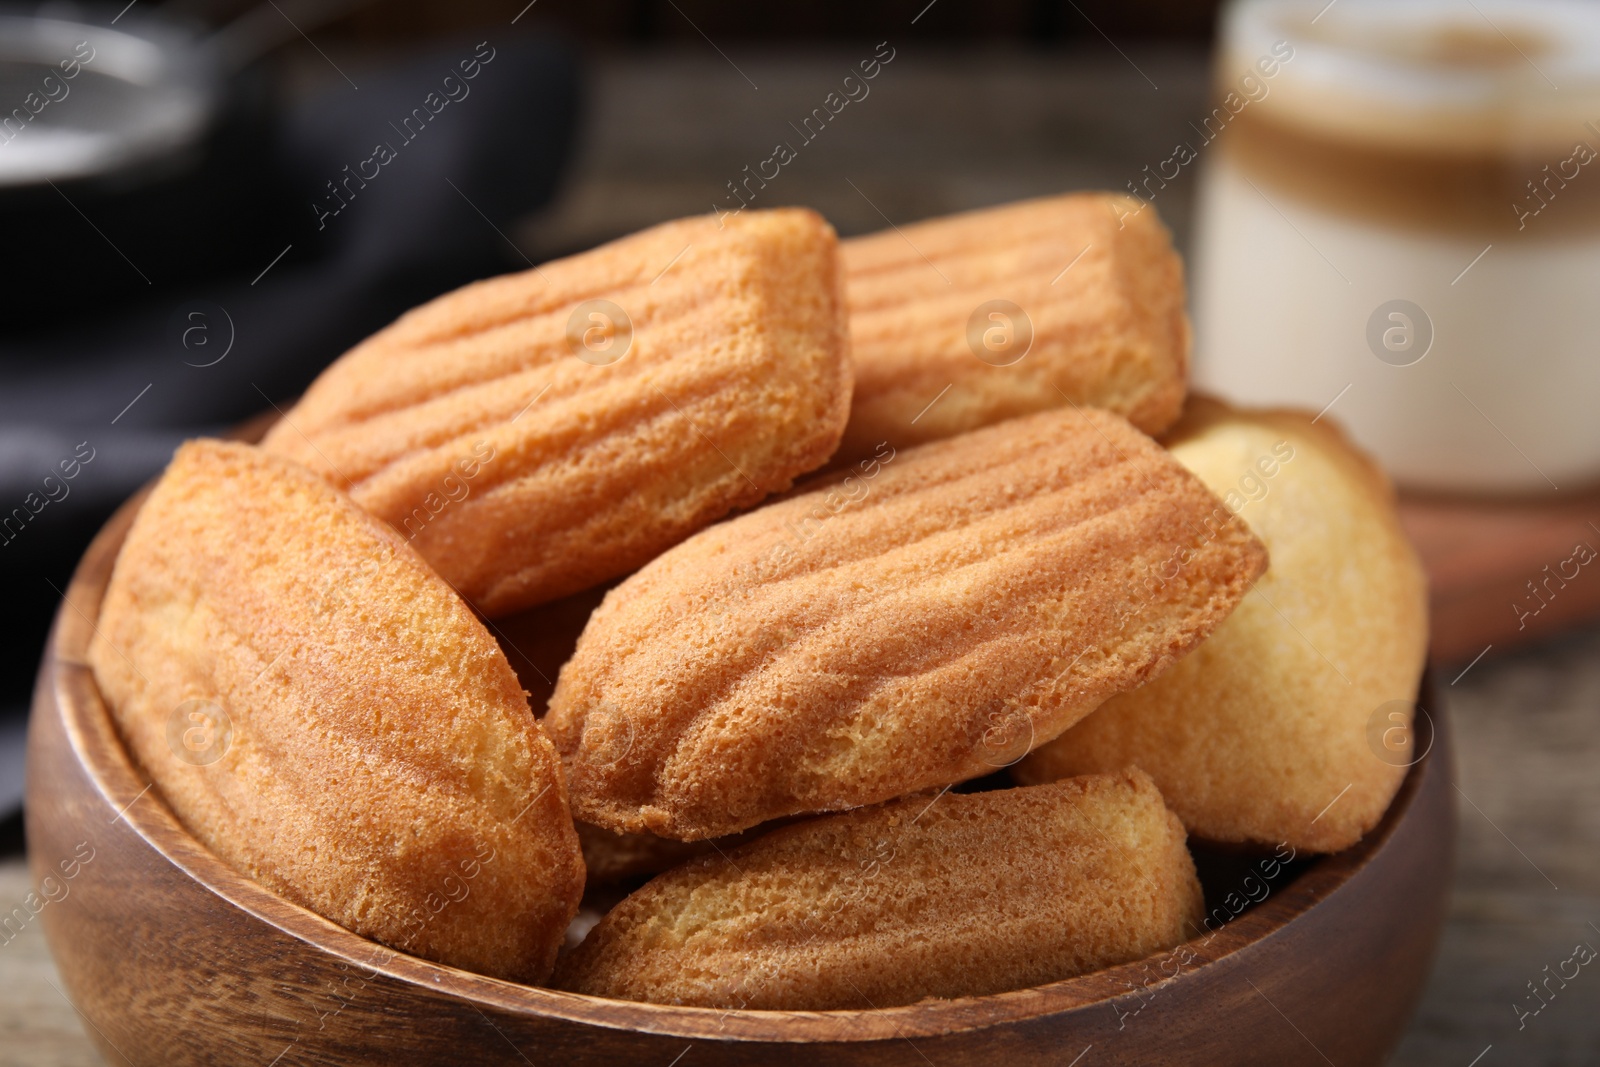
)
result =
(1402, 224)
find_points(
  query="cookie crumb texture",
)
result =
(963, 896)
(525, 466)
(917, 622)
(382, 767)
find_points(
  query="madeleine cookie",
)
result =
(958, 896)
(926, 618)
(963, 321)
(1290, 724)
(536, 434)
(323, 713)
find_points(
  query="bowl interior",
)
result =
(1241, 912)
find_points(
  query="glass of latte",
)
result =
(1399, 224)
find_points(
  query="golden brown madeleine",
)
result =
(1291, 722)
(959, 896)
(328, 717)
(1102, 322)
(536, 434)
(922, 619)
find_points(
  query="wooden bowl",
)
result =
(174, 958)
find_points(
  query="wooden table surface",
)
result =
(944, 131)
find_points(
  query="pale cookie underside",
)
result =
(1290, 724)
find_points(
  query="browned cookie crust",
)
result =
(526, 465)
(1109, 332)
(379, 764)
(960, 896)
(925, 619)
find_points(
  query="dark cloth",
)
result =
(433, 217)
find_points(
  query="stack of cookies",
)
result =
(521, 610)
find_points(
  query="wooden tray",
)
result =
(1496, 569)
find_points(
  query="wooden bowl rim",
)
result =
(93, 736)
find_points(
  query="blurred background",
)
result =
(155, 298)
(198, 213)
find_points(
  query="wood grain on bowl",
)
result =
(174, 958)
